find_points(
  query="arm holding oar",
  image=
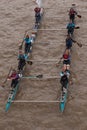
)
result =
(69, 42)
(59, 61)
(20, 46)
(79, 44)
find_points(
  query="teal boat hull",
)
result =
(11, 97)
(64, 100)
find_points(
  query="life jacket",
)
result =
(64, 78)
(14, 75)
(72, 12)
(65, 56)
(69, 42)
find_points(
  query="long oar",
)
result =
(79, 44)
(6, 77)
(33, 76)
(40, 77)
(49, 60)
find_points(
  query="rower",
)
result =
(37, 16)
(72, 14)
(64, 81)
(70, 27)
(14, 76)
(66, 60)
(22, 61)
(69, 42)
(27, 40)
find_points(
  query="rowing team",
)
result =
(65, 74)
(23, 57)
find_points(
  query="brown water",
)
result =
(18, 16)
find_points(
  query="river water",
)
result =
(15, 18)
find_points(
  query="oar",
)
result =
(20, 47)
(33, 76)
(30, 62)
(79, 16)
(59, 62)
(6, 77)
(77, 27)
(79, 44)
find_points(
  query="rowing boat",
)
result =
(14, 91)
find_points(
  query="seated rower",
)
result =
(64, 81)
(27, 40)
(22, 61)
(14, 76)
(66, 60)
(72, 14)
(67, 72)
(70, 27)
(37, 15)
(69, 42)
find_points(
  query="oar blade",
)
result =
(79, 44)
(39, 76)
(30, 62)
(79, 16)
(77, 27)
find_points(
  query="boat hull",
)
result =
(63, 100)
(11, 97)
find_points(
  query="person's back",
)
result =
(37, 14)
(14, 77)
(22, 60)
(64, 81)
(27, 40)
(68, 42)
(70, 27)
